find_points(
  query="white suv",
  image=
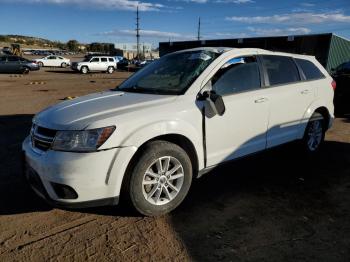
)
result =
(95, 64)
(174, 120)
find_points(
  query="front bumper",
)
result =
(94, 177)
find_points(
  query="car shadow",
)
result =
(266, 205)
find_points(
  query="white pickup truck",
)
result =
(174, 120)
(95, 64)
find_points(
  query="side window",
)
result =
(3, 59)
(242, 75)
(110, 60)
(95, 60)
(103, 59)
(12, 59)
(280, 69)
(310, 71)
(52, 57)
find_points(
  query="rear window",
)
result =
(310, 71)
(280, 69)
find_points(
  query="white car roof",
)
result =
(230, 50)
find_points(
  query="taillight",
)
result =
(334, 85)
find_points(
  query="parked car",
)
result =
(54, 61)
(16, 64)
(94, 64)
(144, 62)
(341, 75)
(173, 120)
(123, 63)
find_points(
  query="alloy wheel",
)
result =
(163, 180)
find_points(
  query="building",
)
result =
(329, 49)
(130, 50)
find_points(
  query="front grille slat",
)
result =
(42, 138)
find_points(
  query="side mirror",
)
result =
(214, 104)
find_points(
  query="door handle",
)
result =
(261, 100)
(305, 92)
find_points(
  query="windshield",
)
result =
(171, 75)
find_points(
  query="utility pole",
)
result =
(199, 29)
(138, 32)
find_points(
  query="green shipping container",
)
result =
(329, 49)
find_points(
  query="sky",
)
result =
(175, 20)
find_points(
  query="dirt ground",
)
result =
(275, 206)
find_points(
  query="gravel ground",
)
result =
(275, 206)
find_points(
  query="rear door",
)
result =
(104, 63)
(289, 98)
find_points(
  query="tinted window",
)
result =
(310, 70)
(242, 75)
(2, 58)
(280, 69)
(110, 59)
(52, 57)
(12, 59)
(103, 59)
(95, 60)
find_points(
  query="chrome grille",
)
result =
(42, 138)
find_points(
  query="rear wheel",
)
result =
(84, 70)
(25, 70)
(41, 64)
(314, 133)
(64, 65)
(160, 179)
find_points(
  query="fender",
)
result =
(308, 113)
(147, 132)
(138, 137)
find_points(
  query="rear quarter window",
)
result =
(110, 59)
(309, 69)
(280, 69)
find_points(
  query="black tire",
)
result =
(136, 189)
(84, 70)
(306, 141)
(110, 70)
(25, 70)
(40, 64)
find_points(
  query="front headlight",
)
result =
(82, 141)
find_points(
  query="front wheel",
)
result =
(314, 133)
(40, 64)
(160, 179)
(110, 70)
(64, 65)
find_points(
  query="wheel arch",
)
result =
(178, 139)
(325, 113)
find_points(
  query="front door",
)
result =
(94, 64)
(241, 130)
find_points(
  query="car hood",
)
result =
(78, 113)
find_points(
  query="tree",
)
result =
(73, 45)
